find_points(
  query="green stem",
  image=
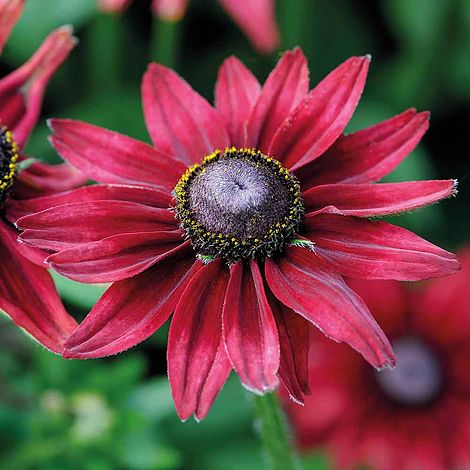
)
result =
(105, 51)
(272, 427)
(166, 37)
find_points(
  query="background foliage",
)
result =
(117, 413)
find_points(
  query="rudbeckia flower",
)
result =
(256, 18)
(240, 220)
(27, 292)
(416, 416)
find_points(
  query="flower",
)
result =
(27, 292)
(241, 219)
(416, 416)
(256, 18)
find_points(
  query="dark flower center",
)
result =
(417, 378)
(238, 203)
(8, 162)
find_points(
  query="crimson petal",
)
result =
(236, 92)
(132, 310)
(298, 281)
(322, 116)
(376, 250)
(294, 341)
(285, 87)
(10, 11)
(368, 200)
(29, 297)
(368, 155)
(153, 197)
(179, 120)
(250, 331)
(110, 157)
(40, 179)
(197, 363)
(115, 258)
(65, 226)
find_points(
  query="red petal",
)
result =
(179, 120)
(257, 20)
(63, 227)
(250, 331)
(368, 155)
(153, 197)
(285, 87)
(132, 310)
(322, 116)
(110, 157)
(29, 297)
(10, 12)
(368, 200)
(294, 341)
(376, 250)
(40, 179)
(236, 92)
(323, 298)
(115, 258)
(197, 363)
(30, 80)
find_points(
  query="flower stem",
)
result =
(166, 36)
(272, 427)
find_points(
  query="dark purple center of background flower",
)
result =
(8, 161)
(417, 378)
(237, 197)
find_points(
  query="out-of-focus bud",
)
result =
(256, 18)
(113, 6)
(22, 91)
(10, 11)
(169, 10)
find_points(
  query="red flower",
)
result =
(249, 261)
(416, 416)
(27, 293)
(256, 18)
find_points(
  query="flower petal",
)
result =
(250, 331)
(40, 179)
(294, 341)
(322, 116)
(63, 227)
(110, 157)
(298, 281)
(236, 92)
(376, 250)
(179, 120)
(10, 12)
(29, 297)
(115, 258)
(113, 6)
(368, 155)
(283, 90)
(29, 82)
(132, 310)
(153, 197)
(257, 20)
(197, 363)
(369, 200)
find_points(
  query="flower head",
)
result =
(27, 292)
(240, 220)
(414, 416)
(256, 18)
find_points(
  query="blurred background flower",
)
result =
(420, 49)
(416, 416)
